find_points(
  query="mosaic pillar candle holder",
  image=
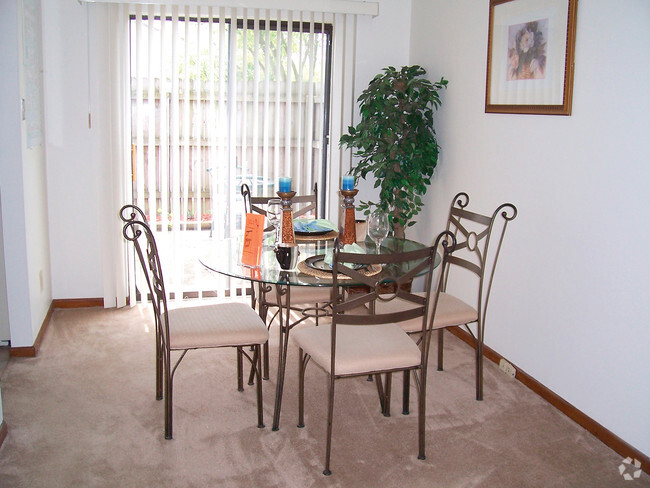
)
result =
(349, 220)
(287, 235)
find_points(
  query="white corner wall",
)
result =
(10, 158)
(376, 49)
(570, 303)
(23, 189)
(382, 41)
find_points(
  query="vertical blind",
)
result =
(223, 96)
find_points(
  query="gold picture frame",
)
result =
(530, 58)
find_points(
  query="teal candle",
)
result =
(348, 182)
(285, 184)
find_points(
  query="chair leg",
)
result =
(257, 362)
(330, 415)
(264, 312)
(440, 347)
(265, 374)
(240, 370)
(159, 368)
(479, 370)
(265, 371)
(380, 392)
(169, 389)
(422, 399)
(301, 389)
(406, 392)
(168, 400)
(387, 392)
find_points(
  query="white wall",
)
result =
(382, 41)
(22, 181)
(4, 308)
(34, 170)
(11, 178)
(570, 304)
(5, 334)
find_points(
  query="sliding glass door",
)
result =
(218, 100)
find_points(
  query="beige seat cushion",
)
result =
(451, 311)
(360, 349)
(223, 324)
(303, 295)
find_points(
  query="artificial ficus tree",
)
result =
(395, 141)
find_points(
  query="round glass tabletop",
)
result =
(224, 257)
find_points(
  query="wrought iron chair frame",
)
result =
(135, 214)
(357, 309)
(252, 204)
(483, 266)
(264, 291)
(149, 258)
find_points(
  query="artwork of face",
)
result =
(527, 50)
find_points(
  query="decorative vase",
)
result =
(349, 219)
(287, 235)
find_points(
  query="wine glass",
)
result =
(378, 227)
(273, 212)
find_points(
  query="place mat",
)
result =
(303, 268)
(330, 236)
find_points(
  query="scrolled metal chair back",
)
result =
(136, 213)
(246, 195)
(445, 244)
(303, 204)
(474, 234)
(146, 249)
(421, 262)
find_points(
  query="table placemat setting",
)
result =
(330, 236)
(304, 268)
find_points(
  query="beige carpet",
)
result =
(83, 414)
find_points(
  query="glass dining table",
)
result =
(224, 257)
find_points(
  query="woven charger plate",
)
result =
(330, 236)
(303, 268)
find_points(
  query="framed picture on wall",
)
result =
(530, 57)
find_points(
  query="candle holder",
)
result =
(287, 234)
(349, 219)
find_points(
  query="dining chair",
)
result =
(312, 301)
(188, 328)
(358, 343)
(476, 235)
(302, 205)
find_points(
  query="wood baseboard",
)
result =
(606, 436)
(78, 302)
(3, 432)
(31, 351)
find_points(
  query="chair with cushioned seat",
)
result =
(187, 328)
(475, 233)
(358, 343)
(303, 298)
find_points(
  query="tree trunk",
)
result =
(398, 231)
